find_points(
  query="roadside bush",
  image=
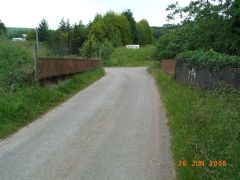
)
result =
(31, 35)
(174, 42)
(85, 50)
(106, 49)
(163, 51)
(210, 59)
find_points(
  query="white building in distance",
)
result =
(20, 39)
(133, 46)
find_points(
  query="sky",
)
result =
(28, 13)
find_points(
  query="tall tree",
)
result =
(64, 26)
(43, 31)
(129, 15)
(79, 36)
(98, 29)
(120, 22)
(68, 26)
(145, 32)
(3, 29)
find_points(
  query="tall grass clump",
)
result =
(16, 66)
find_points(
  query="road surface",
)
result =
(114, 129)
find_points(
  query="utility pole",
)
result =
(37, 42)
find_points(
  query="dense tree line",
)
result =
(120, 29)
(104, 32)
(67, 39)
(206, 24)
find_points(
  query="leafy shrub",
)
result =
(167, 47)
(16, 66)
(31, 35)
(106, 50)
(210, 59)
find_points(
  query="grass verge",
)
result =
(204, 126)
(123, 57)
(27, 103)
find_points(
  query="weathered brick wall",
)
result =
(206, 79)
(168, 65)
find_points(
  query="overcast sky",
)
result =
(28, 13)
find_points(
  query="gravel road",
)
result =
(114, 129)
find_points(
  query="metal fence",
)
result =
(53, 50)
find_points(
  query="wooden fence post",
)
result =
(35, 63)
(91, 55)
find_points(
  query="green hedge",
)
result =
(210, 59)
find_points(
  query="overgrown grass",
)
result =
(123, 57)
(204, 126)
(27, 103)
(16, 65)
